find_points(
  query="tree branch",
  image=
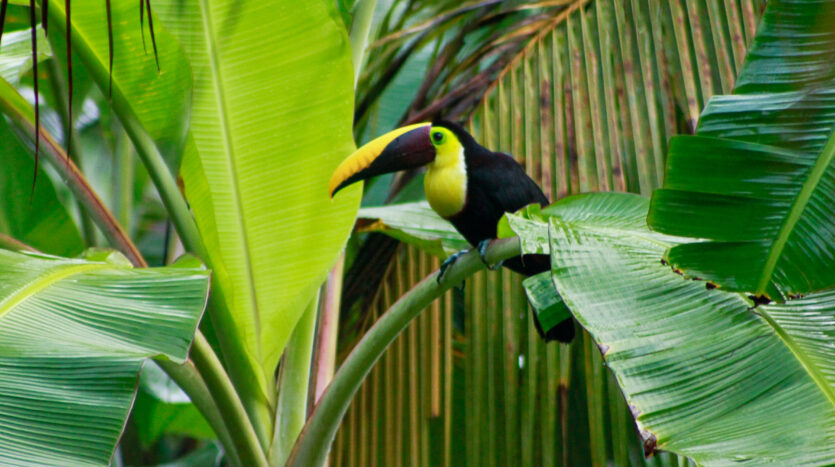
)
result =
(312, 447)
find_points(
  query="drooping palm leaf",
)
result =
(758, 180)
(158, 100)
(73, 336)
(707, 374)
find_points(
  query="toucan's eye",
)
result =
(438, 137)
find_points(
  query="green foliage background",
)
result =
(586, 97)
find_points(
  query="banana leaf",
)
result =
(757, 180)
(74, 334)
(707, 373)
(273, 100)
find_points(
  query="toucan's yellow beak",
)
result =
(404, 148)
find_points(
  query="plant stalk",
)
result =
(324, 358)
(312, 447)
(360, 28)
(189, 379)
(294, 383)
(124, 180)
(11, 243)
(20, 113)
(228, 403)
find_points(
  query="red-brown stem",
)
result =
(82, 190)
(324, 360)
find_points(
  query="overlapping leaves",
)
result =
(758, 179)
(705, 373)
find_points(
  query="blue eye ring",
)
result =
(437, 137)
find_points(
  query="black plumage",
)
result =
(497, 184)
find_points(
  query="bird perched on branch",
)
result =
(465, 183)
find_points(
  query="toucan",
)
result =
(465, 183)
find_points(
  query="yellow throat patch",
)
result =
(445, 183)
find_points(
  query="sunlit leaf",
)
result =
(16, 56)
(273, 99)
(159, 99)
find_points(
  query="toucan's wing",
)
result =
(496, 184)
(506, 184)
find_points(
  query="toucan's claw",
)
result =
(482, 252)
(448, 262)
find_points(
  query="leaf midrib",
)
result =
(801, 357)
(799, 205)
(220, 102)
(58, 274)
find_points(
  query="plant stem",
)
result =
(189, 379)
(59, 90)
(124, 180)
(324, 358)
(360, 27)
(312, 447)
(228, 403)
(11, 243)
(294, 383)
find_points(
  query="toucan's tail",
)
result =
(530, 265)
(563, 332)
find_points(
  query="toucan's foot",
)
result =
(482, 251)
(449, 262)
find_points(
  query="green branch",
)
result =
(313, 444)
(60, 93)
(294, 382)
(230, 407)
(189, 379)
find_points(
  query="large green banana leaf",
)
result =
(273, 100)
(706, 373)
(758, 179)
(42, 222)
(73, 336)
